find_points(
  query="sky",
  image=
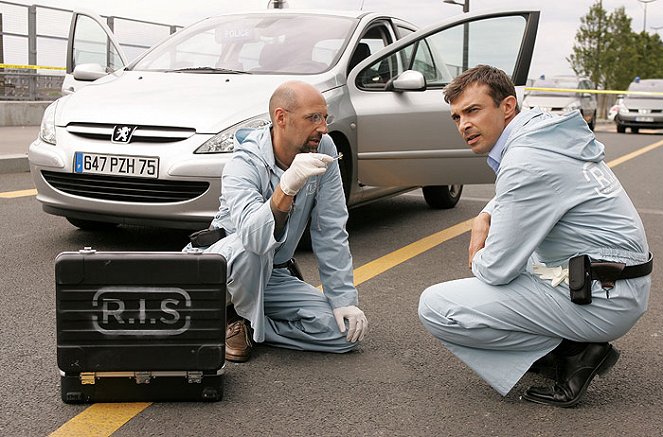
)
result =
(559, 21)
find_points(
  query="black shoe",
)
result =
(575, 373)
(545, 366)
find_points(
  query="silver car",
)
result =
(643, 108)
(146, 143)
(560, 102)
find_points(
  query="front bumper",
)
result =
(177, 166)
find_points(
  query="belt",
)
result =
(292, 266)
(608, 272)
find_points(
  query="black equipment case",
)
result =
(140, 326)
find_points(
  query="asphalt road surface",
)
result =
(402, 382)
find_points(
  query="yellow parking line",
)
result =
(100, 420)
(391, 260)
(20, 193)
(104, 419)
(632, 155)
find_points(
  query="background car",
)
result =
(641, 110)
(614, 109)
(147, 143)
(560, 102)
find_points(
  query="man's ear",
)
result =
(279, 116)
(510, 106)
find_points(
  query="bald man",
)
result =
(278, 179)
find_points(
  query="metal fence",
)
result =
(33, 47)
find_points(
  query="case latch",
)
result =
(87, 377)
(194, 377)
(143, 377)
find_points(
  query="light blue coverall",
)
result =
(555, 198)
(283, 310)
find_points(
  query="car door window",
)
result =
(374, 39)
(444, 55)
(92, 45)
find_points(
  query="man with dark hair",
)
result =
(560, 227)
(280, 178)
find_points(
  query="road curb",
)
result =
(14, 164)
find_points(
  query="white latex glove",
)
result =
(303, 167)
(557, 275)
(357, 322)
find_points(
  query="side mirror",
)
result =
(89, 72)
(408, 80)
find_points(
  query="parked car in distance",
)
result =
(146, 144)
(560, 102)
(614, 109)
(641, 110)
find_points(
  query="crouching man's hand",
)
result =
(357, 322)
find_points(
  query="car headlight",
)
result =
(623, 110)
(572, 107)
(47, 129)
(224, 141)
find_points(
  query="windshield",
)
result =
(256, 44)
(554, 83)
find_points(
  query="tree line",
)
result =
(611, 54)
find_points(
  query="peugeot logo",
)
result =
(122, 134)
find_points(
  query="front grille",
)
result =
(125, 189)
(144, 134)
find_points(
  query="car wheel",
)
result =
(621, 129)
(442, 196)
(592, 122)
(635, 130)
(90, 225)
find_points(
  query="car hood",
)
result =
(549, 101)
(206, 102)
(643, 103)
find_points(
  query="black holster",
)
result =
(582, 271)
(292, 267)
(206, 237)
(580, 280)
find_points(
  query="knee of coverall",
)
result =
(432, 310)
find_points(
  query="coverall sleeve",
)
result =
(245, 189)
(526, 208)
(330, 240)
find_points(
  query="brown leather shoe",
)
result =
(238, 341)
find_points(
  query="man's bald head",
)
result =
(289, 96)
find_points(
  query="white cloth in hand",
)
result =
(303, 167)
(357, 322)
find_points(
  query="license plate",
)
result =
(116, 165)
(645, 119)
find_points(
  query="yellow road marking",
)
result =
(391, 260)
(104, 419)
(20, 193)
(632, 155)
(100, 420)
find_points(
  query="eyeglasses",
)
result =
(317, 118)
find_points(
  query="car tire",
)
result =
(90, 225)
(442, 196)
(635, 130)
(621, 129)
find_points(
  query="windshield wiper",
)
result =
(207, 70)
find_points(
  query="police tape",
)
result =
(31, 67)
(574, 90)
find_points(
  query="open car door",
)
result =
(404, 129)
(92, 51)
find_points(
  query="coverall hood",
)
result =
(569, 133)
